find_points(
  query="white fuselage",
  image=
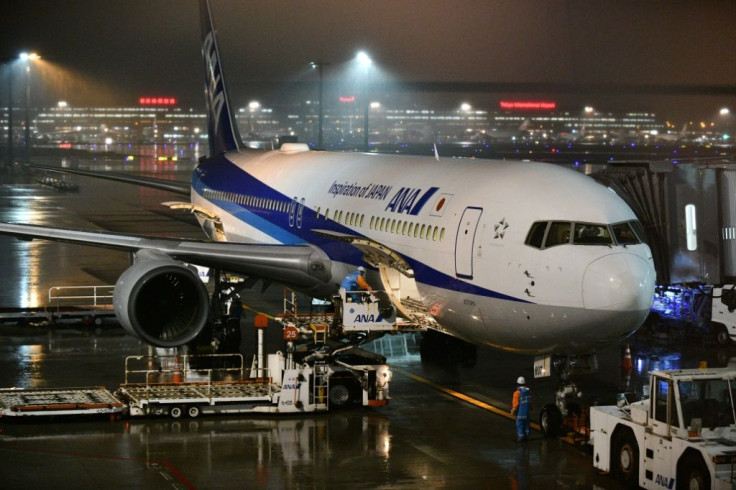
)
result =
(462, 226)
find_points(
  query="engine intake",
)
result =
(161, 301)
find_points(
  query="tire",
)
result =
(193, 411)
(721, 335)
(625, 458)
(692, 474)
(176, 412)
(339, 395)
(550, 421)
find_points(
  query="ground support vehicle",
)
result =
(683, 436)
(19, 403)
(194, 385)
(189, 386)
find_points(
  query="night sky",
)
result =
(113, 52)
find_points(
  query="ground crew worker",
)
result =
(521, 405)
(355, 281)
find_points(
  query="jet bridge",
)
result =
(688, 210)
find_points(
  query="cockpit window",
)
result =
(625, 234)
(535, 237)
(546, 234)
(559, 234)
(591, 234)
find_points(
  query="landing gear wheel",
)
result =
(339, 395)
(550, 420)
(176, 412)
(193, 412)
(693, 474)
(625, 458)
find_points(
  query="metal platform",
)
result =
(256, 390)
(58, 401)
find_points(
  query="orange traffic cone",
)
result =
(627, 362)
(176, 377)
(627, 366)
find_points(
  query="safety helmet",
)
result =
(521, 381)
(361, 269)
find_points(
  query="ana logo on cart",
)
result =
(368, 318)
(291, 387)
(665, 482)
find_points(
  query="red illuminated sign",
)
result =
(347, 99)
(527, 105)
(157, 101)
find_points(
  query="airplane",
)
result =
(522, 256)
(506, 134)
(571, 136)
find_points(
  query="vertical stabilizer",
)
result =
(222, 130)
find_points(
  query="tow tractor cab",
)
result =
(683, 436)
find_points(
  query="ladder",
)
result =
(321, 387)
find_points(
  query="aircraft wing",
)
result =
(303, 266)
(183, 188)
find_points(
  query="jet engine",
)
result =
(160, 300)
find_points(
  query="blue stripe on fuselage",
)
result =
(220, 175)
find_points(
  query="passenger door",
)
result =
(464, 243)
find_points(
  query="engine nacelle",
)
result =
(160, 300)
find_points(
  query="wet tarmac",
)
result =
(424, 438)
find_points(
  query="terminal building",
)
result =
(163, 120)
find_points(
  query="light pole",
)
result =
(9, 161)
(366, 62)
(26, 57)
(319, 66)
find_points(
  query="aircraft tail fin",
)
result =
(222, 130)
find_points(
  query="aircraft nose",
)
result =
(620, 282)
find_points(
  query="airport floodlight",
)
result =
(29, 56)
(725, 111)
(364, 59)
(465, 107)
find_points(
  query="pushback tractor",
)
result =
(683, 436)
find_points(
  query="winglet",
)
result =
(222, 130)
